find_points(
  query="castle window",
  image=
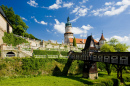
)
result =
(7, 28)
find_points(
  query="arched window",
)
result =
(10, 54)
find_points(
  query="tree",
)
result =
(74, 42)
(19, 27)
(107, 48)
(121, 47)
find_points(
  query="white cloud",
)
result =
(125, 39)
(75, 9)
(48, 16)
(41, 22)
(58, 1)
(68, 5)
(80, 12)
(100, 12)
(77, 30)
(55, 6)
(74, 20)
(24, 18)
(112, 8)
(32, 3)
(48, 30)
(84, 1)
(60, 27)
(88, 27)
(116, 11)
(109, 3)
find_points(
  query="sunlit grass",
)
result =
(75, 80)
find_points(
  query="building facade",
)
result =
(5, 25)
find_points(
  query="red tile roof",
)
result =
(80, 41)
(102, 37)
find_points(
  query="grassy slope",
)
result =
(56, 81)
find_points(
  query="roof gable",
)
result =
(2, 13)
(89, 43)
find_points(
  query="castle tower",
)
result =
(68, 31)
(101, 41)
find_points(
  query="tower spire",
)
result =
(68, 19)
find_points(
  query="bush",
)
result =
(126, 79)
(9, 38)
(43, 52)
(116, 82)
(108, 82)
(64, 53)
(2, 66)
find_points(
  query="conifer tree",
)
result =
(74, 42)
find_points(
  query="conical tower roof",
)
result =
(102, 37)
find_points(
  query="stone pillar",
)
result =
(3, 47)
(31, 50)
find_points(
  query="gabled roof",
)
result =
(3, 14)
(88, 42)
(80, 41)
(102, 37)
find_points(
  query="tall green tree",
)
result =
(74, 42)
(19, 27)
(107, 48)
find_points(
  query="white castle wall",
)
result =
(3, 28)
(68, 29)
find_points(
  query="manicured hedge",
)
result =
(43, 52)
(63, 53)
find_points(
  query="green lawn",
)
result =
(76, 80)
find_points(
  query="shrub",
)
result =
(116, 82)
(9, 38)
(64, 53)
(108, 82)
(43, 52)
(2, 66)
(126, 79)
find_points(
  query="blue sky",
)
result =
(46, 18)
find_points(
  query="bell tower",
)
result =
(68, 31)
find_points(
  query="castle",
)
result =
(68, 37)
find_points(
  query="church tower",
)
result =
(101, 41)
(68, 31)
